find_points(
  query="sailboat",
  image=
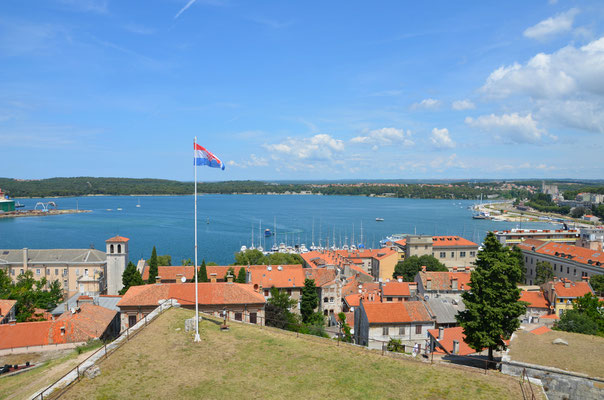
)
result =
(139, 204)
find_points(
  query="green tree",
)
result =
(241, 276)
(165, 260)
(187, 261)
(597, 284)
(412, 265)
(153, 263)
(346, 335)
(492, 305)
(543, 272)
(310, 300)
(577, 322)
(250, 257)
(517, 253)
(577, 212)
(277, 311)
(395, 345)
(203, 272)
(131, 277)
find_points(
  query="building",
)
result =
(375, 263)
(445, 310)
(75, 301)
(561, 293)
(6, 205)
(452, 251)
(117, 259)
(239, 300)
(375, 323)
(397, 290)
(591, 238)
(329, 290)
(515, 236)
(451, 285)
(590, 218)
(568, 261)
(87, 322)
(537, 305)
(289, 278)
(449, 341)
(7, 311)
(174, 274)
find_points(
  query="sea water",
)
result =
(227, 222)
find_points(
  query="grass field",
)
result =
(583, 354)
(249, 362)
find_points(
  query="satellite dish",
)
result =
(183, 279)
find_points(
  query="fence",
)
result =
(56, 389)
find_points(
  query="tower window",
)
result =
(119, 248)
(111, 249)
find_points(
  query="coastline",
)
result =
(40, 213)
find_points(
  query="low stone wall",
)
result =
(558, 384)
(40, 349)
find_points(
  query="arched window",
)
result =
(119, 248)
(111, 249)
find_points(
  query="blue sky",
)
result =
(302, 90)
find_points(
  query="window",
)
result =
(575, 272)
(21, 271)
(568, 270)
(131, 320)
(77, 271)
(289, 292)
(452, 254)
(388, 298)
(385, 331)
(119, 248)
(472, 254)
(56, 271)
(64, 271)
(238, 316)
(111, 249)
(401, 331)
(331, 299)
(265, 292)
(443, 254)
(325, 299)
(86, 272)
(462, 253)
(37, 271)
(418, 329)
(65, 283)
(253, 318)
(12, 272)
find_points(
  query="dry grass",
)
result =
(249, 362)
(24, 385)
(583, 353)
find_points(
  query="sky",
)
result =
(302, 90)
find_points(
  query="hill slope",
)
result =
(249, 362)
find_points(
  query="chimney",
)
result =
(158, 279)
(412, 288)
(25, 258)
(423, 268)
(428, 283)
(454, 269)
(454, 284)
(230, 278)
(213, 277)
(456, 347)
(441, 333)
(567, 283)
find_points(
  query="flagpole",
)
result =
(197, 338)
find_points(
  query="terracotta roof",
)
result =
(354, 300)
(449, 335)
(389, 313)
(5, 306)
(575, 289)
(353, 286)
(119, 239)
(541, 330)
(208, 293)
(89, 323)
(321, 276)
(176, 271)
(280, 276)
(396, 288)
(448, 241)
(442, 280)
(577, 254)
(550, 316)
(535, 299)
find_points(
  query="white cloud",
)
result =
(182, 10)
(441, 139)
(385, 137)
(566, 85)
(510, 128)
(552, 26)
(426, 104)
(254, 161)
(318, 147)
(463, 105)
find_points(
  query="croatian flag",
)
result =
(204, 157)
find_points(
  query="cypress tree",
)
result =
(492, 304)
(310, 300)
(241, 275)
(203, 272)
(153, 266)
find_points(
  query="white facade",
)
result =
(117, 259)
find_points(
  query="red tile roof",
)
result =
(280, 276)
(389, 313)
(117, 239)
(5, 306)
(354, 285)
(442, 280)
(321, 276)
(449, 335)
(541, 330)
(575, 289)
(175, 272)
(396, 289)
(535, 299)
(208, 294)
(550, 316)
(89, 323)
(565, 251)
(448, 241)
